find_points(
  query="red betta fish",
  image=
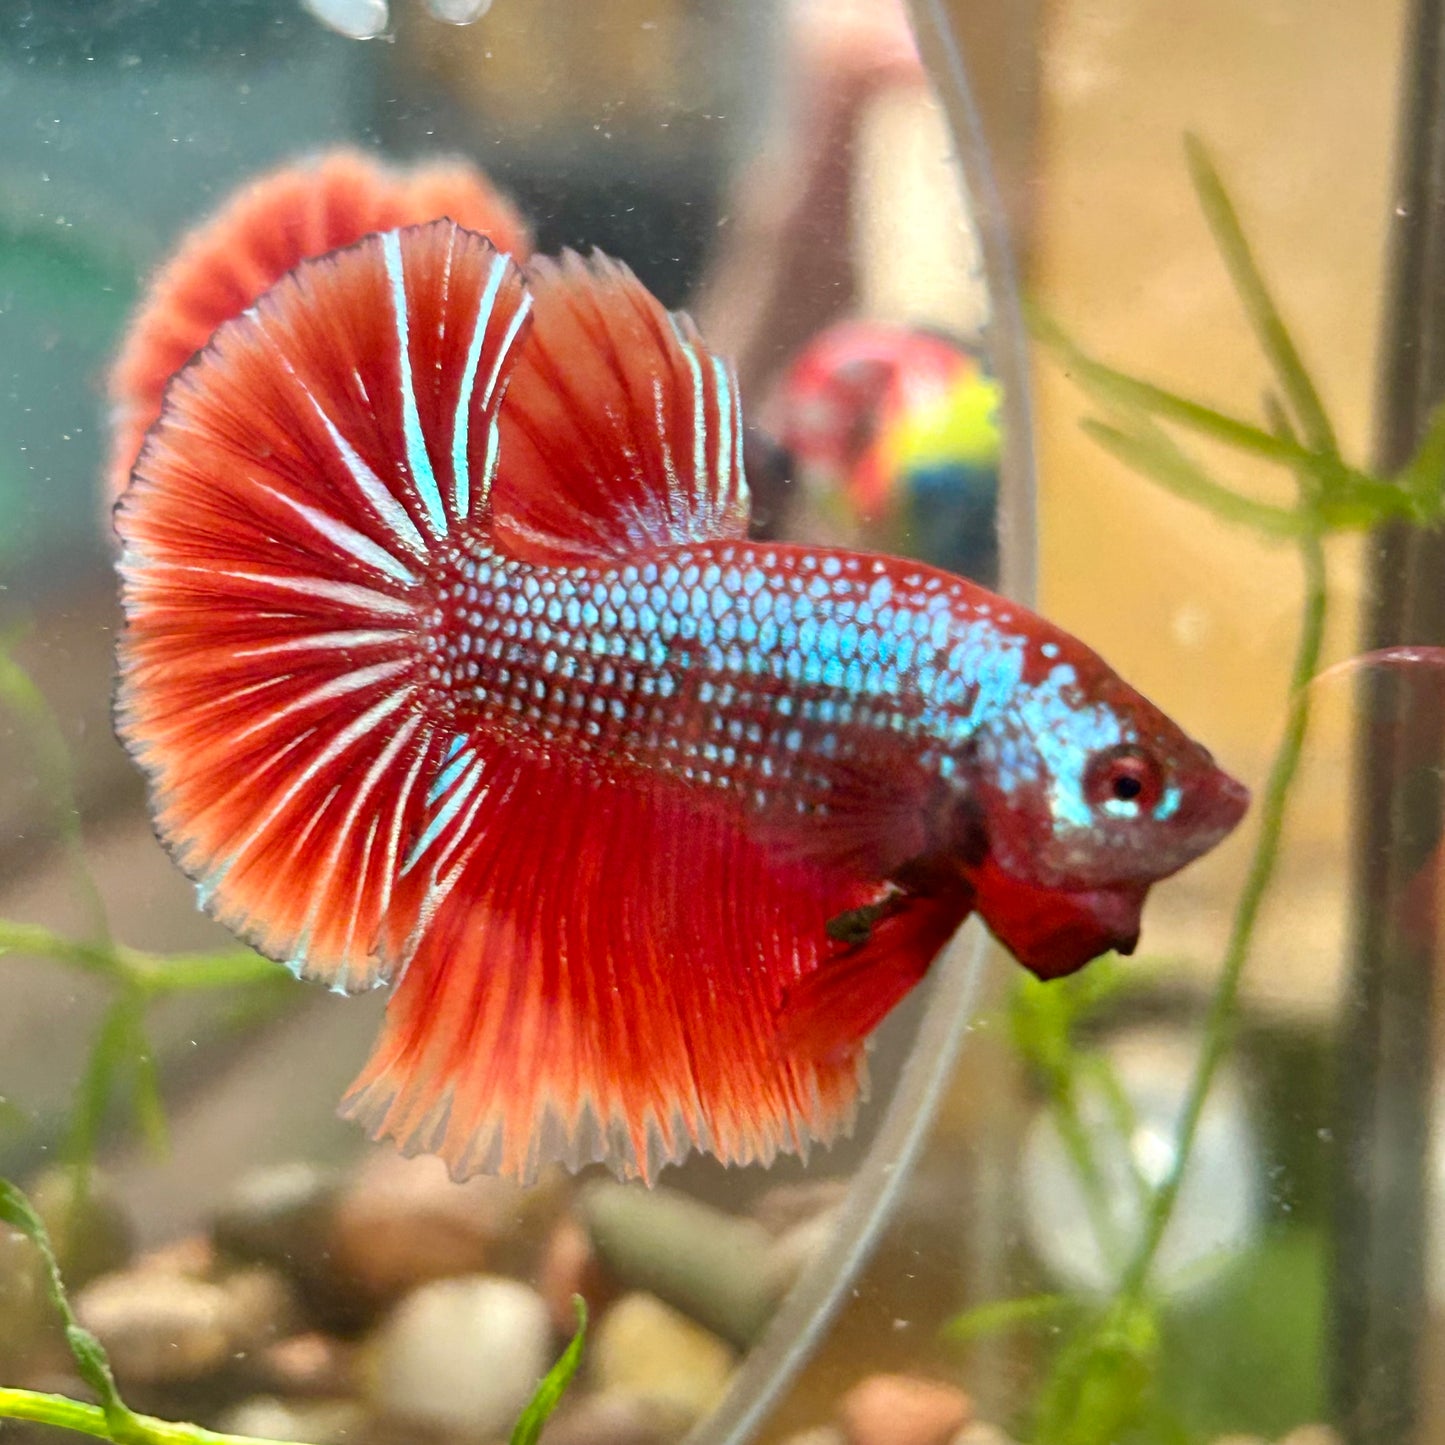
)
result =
(452, 667)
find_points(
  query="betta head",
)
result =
(1084, 794)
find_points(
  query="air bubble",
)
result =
(355, 19)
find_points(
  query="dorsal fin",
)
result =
(263, 232)
(621, 431)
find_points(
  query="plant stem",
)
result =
(1064, 1103)
(66, 1414)
(151, 973)
(1219, 1025)
(19, 692)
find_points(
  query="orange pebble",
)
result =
(903, 1410)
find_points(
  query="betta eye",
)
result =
(1124, 775)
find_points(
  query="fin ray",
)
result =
(849, 995)
(586, 990)
(620, 431)
(265, 231)
(278, 544)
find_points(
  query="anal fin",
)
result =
(586, 989)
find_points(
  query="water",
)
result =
(776, 169)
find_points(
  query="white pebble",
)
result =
(156, 1327)
(462, 1355)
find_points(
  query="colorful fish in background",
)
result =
(891, 435)
(452, 667)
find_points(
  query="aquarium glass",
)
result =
(1125, 312)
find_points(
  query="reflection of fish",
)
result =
(897, 428)
(265, 231)
(451, 666)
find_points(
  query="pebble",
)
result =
(460, 1355)
(1311, 1435)
(260, 1308)
(94, 1240)
(192, 1257)
(646, 1350)
(282, 1216)
(312, 1364)
(818, 1435)
(323, 1422)
(982, 1432)
(403, 1222)
(716, 1268)
(614, 1419)
(570, 1267)
(785, 1206)
(157, 1328)
(903, 1410)
(797, 1247)
(23, 1305)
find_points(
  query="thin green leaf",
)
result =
(1259, 305)
(20, 695)
(1423, 476)
(1352, 499)
(151, 973)
(998, 1316)
(1099, 1385)
(66, 1414)
(188, 972)
(1157, 458)
(150, 1109)
(111, 1056)
(37, 942)
(90, 1357)
(554, 1383)
(1119, 389)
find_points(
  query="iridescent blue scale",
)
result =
(753, 670)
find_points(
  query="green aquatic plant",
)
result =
(112, 1419)
(548, 1394)
(121, 1066)
(1103, 1384)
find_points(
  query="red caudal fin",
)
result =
(621, 430)
(600, 982)
(260, 235)
(279, 547)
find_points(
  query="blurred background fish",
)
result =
(890, 433)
